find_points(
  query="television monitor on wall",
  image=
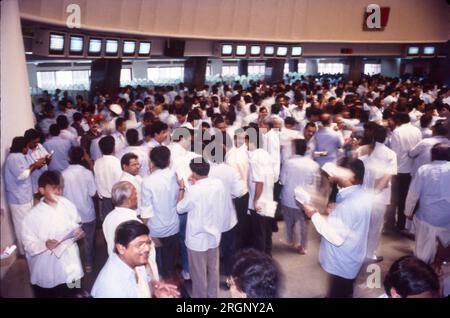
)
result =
(296, 51)
(241, 50)
(95, 47)
(282, 51)
(429, 50)
(112, 47)
(226, 49)
(255, 50)
(76, 45)
(144, 48)
(129, 47)
(56, 43)
(269, 50)
(413, 50)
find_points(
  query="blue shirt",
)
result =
(117, 280)
(350, 218)
(326, 139)
(17, 191)
(80, 187)
(60, 157)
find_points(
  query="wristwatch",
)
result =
(182, 189)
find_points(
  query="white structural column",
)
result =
(16, 111)
(216, 66)
(311, 67)
(139, 70)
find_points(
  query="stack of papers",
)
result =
(302, 196)
(335, 171)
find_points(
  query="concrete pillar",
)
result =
(293, 65)
(390, 67)
(105, 76)
(16, 111)
(216, 66)
(243, 67)
(274, 70)
(139, 69)
(355, 68)
(195, 71)
(311, 67)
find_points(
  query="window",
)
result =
(301, 68)
(64, 79)
(286, 68)
(330, 68)
(156, 74)
(256, 69)
(371, 69)
(125, 75)
(46, 79)
(230, 70)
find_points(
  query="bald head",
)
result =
(325, 118)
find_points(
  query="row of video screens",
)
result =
(95, 46)
(257, 50)
(423, 51)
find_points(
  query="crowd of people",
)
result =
(181, 180)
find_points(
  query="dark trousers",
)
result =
(243, 238)
(167, 255)
(106, 206)
(89, 242)
(228, 249)
(400, 187)
(183, 248)
(60, 291)
(261, 232)
(340, 287)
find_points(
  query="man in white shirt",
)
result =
(391, 98)
(49, 234)
(79, 188)
(130, 166)
(158, 204)
(380, 165)
(204, 202)
(287, 134)
(119, 134)
(36, 151)
(404, 138)
(327, 142)
(132, 137)
(430, 191)
(107, 172)
(67, 132)
(127, 273)
(298, 171)
(261, 195)
(158, 132)
(344, 232)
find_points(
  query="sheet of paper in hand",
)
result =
(66, 241)
(268, 207)
(302, 196)
(335, 171)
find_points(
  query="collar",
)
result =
(346, 192)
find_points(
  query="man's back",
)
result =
(60, 148)
(112, 221)
(403, 139)
(326, 139)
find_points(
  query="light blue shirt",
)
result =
(60, 157)
(350, 219)
(79, 187)
(159, 194)
(117, 280)
(327, 139)
(17, 191)
(33, 156)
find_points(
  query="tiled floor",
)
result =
(303, 276)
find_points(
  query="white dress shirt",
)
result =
(261, 170)
(403, 139)
(234, 188)
(287, 136)
(329, 140)
(159, 196)
(107, 173)
(112, 221)
(426, 132)
(237, 158)
(421, 153)
(47, 223)
(143, 158)
(298, 171)
(79, 188)
(431, 187)
(136, 181)
(204, 202)
(181, 166)
(121, 141)
(271, 144)
(69, 136)
(60, 148)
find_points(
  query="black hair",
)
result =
(290, 121)
(76, 155)
(49, 178)
(31, 134)
(256, 137)
(200, 167)
(401, 118)
(160, 156)
(149, 116)
(17, 145)
(425, 120)
(379, 134)
(77, 116)
(256, 274)
(300, 146)
(355, 165)
(62, 122)
(126, 158)
(132, 137)
(128, 231)
(275, 109)
(54, 130)
(157, 127)
(119, 122)
(440, 151)
(107, 144)
(440, 129)
(410, 276)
